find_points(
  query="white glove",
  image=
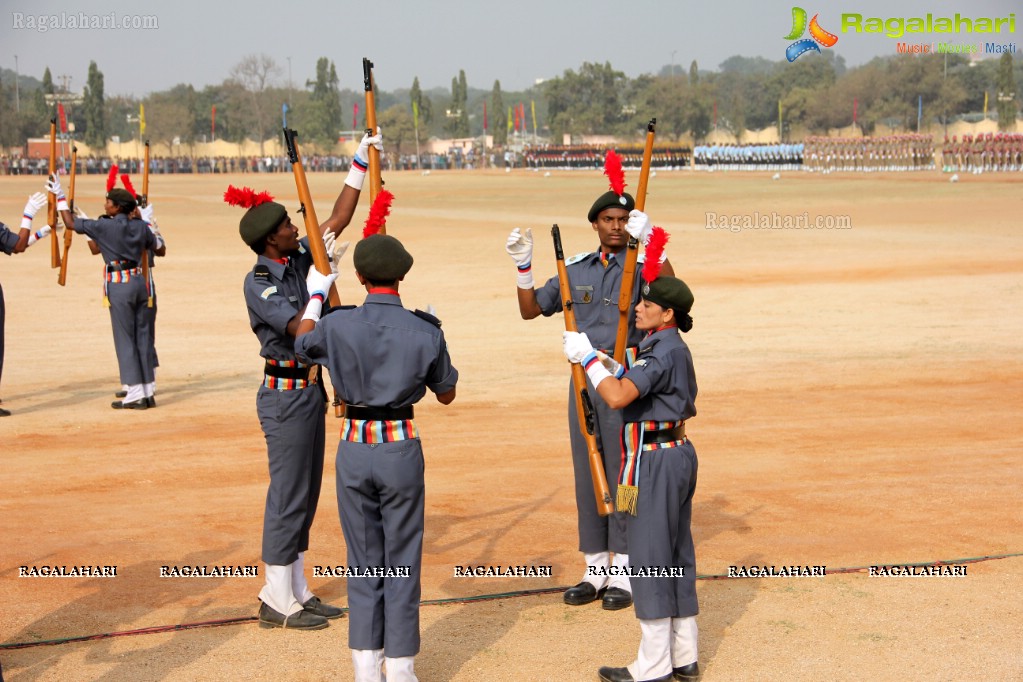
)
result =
(639, 226)
(610, 364)
(39, 234)
(334, 251)
(520, 247)
(357, 173)
(147, 214)
(53, 186)
(318, 285)
(160, 243)
(430, 310)
(577, 346)
(35, 202)
(80, 213)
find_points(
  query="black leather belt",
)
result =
(677, 433)
(301, 373)
(378, 413)
(120, 265)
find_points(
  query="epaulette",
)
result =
(576, 258)
(428, 317)
(332, 308)
(261, 270)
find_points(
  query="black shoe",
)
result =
(623, 675)
(616, 598)
(583, 593)
(121, 394)
(315, 606)
(4, 413)
(151, 401)
(140, 404)
(300, 620)
(687, 673)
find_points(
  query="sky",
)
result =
(514, 41)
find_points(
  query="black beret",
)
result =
(670, 292)
(610, 200)
(261, 220)
(381, 258)
(122, 198)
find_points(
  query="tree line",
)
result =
(814, 94)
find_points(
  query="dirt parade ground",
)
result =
(859, 405)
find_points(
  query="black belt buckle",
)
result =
(665, 436)
(278, 372)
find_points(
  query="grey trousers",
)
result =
(293, 425)
(381, 498)
(660, 535)
(130, 320)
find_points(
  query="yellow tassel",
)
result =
(150, 303)
(106, 301)
(628, 499)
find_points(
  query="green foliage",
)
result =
(322, 120)
(95, 133)
(587, 102)
(498, 115)
(1006, 95)
(400, 137)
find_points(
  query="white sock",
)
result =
(149, 389)
(299, 587)
(135, 392)
(619, 579)
(367, 663)
(400, 669)
(683, 641)
(654, 657)
(276, 593)
(600, 560)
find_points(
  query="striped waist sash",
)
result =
(637, 438)
(378, 430)
(289, 375)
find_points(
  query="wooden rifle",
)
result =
(376, 183)
(69, 232)
(583, 405)
(51, 207)
(632, 253)
(313, 230)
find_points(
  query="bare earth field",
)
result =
(860, 394)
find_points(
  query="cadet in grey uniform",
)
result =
(291, 401)
(595, 279)
(657, 395)
(382, 359)
(123, 241)
(16, 242)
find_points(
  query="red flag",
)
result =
(63, 117)
(355, 116)
(213, 123)
(484, 117)
(522, 116)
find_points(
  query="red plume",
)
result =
(378, 213)
(653, 252)
(112, 177)
(126, 181)
(613, 171)
(245, 197)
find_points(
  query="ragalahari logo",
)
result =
(817, 35)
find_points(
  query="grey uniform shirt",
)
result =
(594, 298)
(380, 354)
(274, 293)
(664, 375)
(8, 239)
(118, 237)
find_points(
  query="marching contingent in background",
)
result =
(983, 152)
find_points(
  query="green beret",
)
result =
(122, 198)
(610, 200)
(381, 258)
(261, 220)
(670, 292)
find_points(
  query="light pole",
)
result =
(289, 83)
(17, 77)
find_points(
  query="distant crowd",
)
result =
(567, 157)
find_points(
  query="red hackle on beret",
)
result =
(652, 254)
(112, 177)
(245, 197)
(613, 171)
(378, 213)
(126, 181)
